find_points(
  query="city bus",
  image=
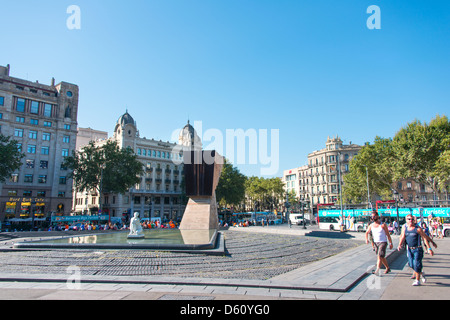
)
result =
(359, 219)
(352, 219)
(256, 217)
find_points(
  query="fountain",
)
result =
(198, 231)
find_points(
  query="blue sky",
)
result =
(310, 69)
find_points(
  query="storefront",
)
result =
(24, 213)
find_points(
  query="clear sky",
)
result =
(309, 69)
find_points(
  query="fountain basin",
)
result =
(192, 241)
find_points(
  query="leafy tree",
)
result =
(10, 157)
(264, 191)
(118, 167)
(418, 148)
(231, 187)
(442, 171)
(372, 163)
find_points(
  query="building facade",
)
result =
(86, 135)
(159, 193)
(319, 181)
(43, 119)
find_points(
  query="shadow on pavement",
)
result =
(329, 234)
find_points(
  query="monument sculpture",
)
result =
(202, 171)
(136, 231)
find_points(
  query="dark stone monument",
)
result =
(202, 171)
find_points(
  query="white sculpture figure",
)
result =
(135, 227)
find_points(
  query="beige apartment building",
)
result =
(318, 181)
(43, 119)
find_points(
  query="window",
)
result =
(46, 136)
(14, 177)
(62, 180)
(20, 119)
(43, 164)
(32, 134)
(20, 105)
(18, 133)
(30, 164)
(47, 110)
(27, 193)
(28, 178)
(47, 124)
(34, 121)
(65, 152)
(66, 139)
(31, 148)
(41, 194)
(67, 126)
(34, 107)
(2, 101)
(61, 194)
(42, 179)
(44, 150)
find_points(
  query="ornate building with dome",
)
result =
(159, 193)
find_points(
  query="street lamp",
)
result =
(396, 205)
(302, 204)
(340, 191)
(368, 192)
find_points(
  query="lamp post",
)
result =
(340, 192)
(396, 205)
(287, 205)
(302, 204)
(369, 203)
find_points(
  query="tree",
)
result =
(373, 166)
(10, 157)
(419, 147)
(442, 171)
(231, 187)
(106, 168)
(264, 191)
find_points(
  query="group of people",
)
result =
(83, 226)
(411, 233)
(157, 224)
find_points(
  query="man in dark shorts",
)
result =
(380, 234)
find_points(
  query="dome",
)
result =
(126, 119)
(188, 137)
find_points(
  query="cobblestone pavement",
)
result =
(257, 256)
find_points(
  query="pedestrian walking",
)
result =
(396, 227)
(413, 236)
(381, 236)
(440, 228)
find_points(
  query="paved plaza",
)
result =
(270, 263)
(249, 256)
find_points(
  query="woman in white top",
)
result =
(380, 234)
